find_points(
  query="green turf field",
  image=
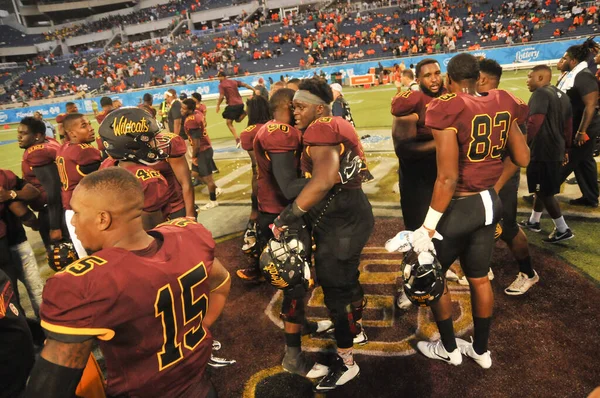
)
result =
(370, 109)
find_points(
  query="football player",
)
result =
(39, 169)
(234, 111)
(71, 107)
(199, 104)
(415, 148)
(512, 234)
(154, 335)
(17, 354)
(75, 159)
(147, 105)
(471, 133)
(107, 107)
(340, 216)
(15, 213)
(549, 133)
(277, 148)
(258, 114)
(130, 138)
(175, 170)
(202, 152)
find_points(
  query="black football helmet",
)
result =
(61, 254)
(423, 278)
(130, 133)
(283, 262)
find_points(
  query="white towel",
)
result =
(568, 81)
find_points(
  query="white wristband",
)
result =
(432, 219)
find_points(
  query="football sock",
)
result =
(561, 225)
(525, 267)
(446, 328)
(213, 196)
(346, 355)
(482, 333)
(535, 216)
(293, 340)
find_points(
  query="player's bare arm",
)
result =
(219, 101)
(28, 192)
(219, 283)
(326, 164)
(447, 168)
(404, 134)
(184, 177)
(177, 126)
(590, 101)
(58, 371)
(517, 146)
(509, 170)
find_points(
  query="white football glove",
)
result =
(400, 242)
(421, 241)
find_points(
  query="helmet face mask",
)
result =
(423, 278)
(130, 134)
(283, 263)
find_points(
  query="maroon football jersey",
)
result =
(178, 149)
(197, 121)
(229, 89)
(148, 109)
(482, 124)
(38, 155)
(146, 309)
(247, 136)
(69, 159)
(155, 186)
(413, 102)
(102, 115)
(201, 108)
(331, 131)
(274, 137)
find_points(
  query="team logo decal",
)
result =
(391, 331)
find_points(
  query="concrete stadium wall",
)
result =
(524, 54)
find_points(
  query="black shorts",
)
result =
(233, 112)
(544, 177)
(508, 195)
(340, 235)
(205, 163)
(468, 227)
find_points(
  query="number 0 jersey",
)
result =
(482, 124)
(69, 159)
(145, 307)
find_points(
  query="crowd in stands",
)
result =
(160, 11)
(317, 37)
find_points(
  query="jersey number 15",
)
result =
(193, 308)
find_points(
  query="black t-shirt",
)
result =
(585, 83)
(175, 114)
(16, 343)
(549, 143)
(341, 108)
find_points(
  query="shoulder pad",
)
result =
(406, 102)
(178, 147)
(280, 137)
(443, 111)
(88, 154)
(321, 132)
(40, 155)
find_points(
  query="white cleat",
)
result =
(522, 284)
(451, 276)
(361, 338)
(339, 374)
(403, 302)
(218, 192)
(210, 205)
(491, 275)
(436, 350)
(324, 326)
(484, 360)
